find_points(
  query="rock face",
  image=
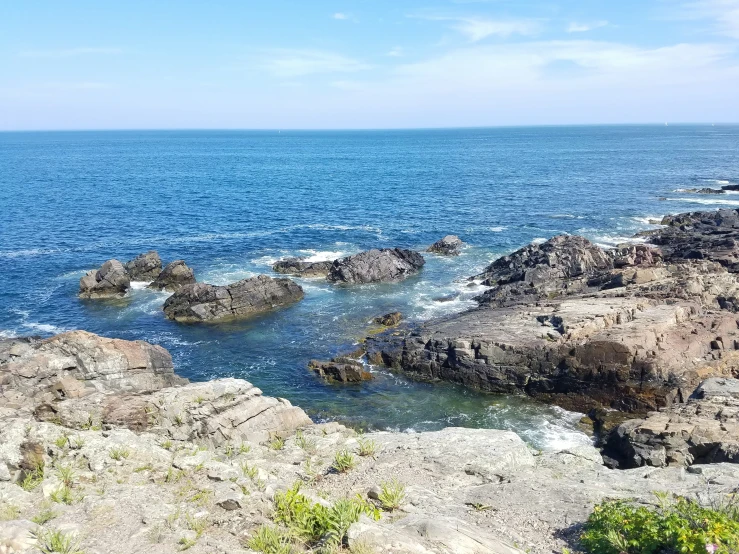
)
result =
(450, 245)
(376, 266)
(110, 281)
(77, 364)
(703, 430)
(145, 267)
(343, 370)
(568, 322)
(204, 302)
(389, 320)
(173, 277)
(301, 268)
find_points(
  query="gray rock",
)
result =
(450, 245)
(301, 268)
(389, 320)
(343, 370)
(204, 302)
(110, 281)
(229, 498)
(145, 267)
(376, 266)
(173, 277)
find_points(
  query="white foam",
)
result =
(647, 220)
(538, 240)
(497, 228)
(31, 252)
(322, 255)
(44, 327)
(709, 201)
(139, 285)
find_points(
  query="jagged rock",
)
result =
(78, 363)
(301, 268)
(204, 302)
(110, 281)
(703, 430)
(704, 190)
(344, 370)
(389, 320)
(145, 267)
(376, 266)
(450, 245)
(173, 277)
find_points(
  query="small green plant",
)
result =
(344, 461)
(199, 399)
(244, 448)
(119, 453)
(277, 443)
(44, 516)
(249, 471)
(64, 495)
(66, 474)
(309, 445)
(145, 467)
(678, 524)
(367, 447)
(77, 443)
(392, 495)
(51, 541)
(9, 512)
(33, 479)
(167, 445)
(270, 540)
(62, 441)
(178, 420)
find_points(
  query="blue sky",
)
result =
(366, 64)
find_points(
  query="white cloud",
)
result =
(575, 27)
(341, 16)
(478, 28)
(395, 52)
(724, 13)
(299, 63)
(68, 52)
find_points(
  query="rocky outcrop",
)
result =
(568, 322)
(703, 430)
(145, 267)
(342, 370)
(389, 320)
(203, 302)
(301, 268)
(704, 190)
(450, 245)
(110, 281)
(173, 277)
(386, 265)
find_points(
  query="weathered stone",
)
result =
(301, 268)
(344, 370)
(376, 266)
(204, 302)
(110, 281)
(145, 267)
(450, 245)
(173, 277)
(389, 320)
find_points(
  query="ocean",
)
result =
(230, 203)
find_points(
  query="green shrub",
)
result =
(391, 495)
(312, 523)
(277, 443)
(344, 461)
(367, 447)
(51, 541)
(270, 540)
(679, 525)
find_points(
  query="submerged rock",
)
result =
(203, 302)
(376, 266)
(174, 276)
(344, 370)
(301, 268)
(145, 267)
(110, 281)
(389, 320)
(450, 245)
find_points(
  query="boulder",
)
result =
(386, 265)
(110, 281)
(450, 245)
(301, 268)
(343, 370)
(145, 267)
(389, 320)
(173, 277)
(203, 302)
(703, 430)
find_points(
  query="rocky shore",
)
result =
(102, 444)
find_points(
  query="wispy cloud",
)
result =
(479, 28)
(299, 63)
(395, 52)
(68, 52)
(724, 13)
(575, 27)
(340, 16)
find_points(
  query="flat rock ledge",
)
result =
(301, 268)
(341, 369)
(633, 328)
(201, 302)
(385, 265)
(450, 245)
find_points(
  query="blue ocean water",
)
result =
(231, 203)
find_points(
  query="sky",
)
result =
(315, 64)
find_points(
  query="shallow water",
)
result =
(231, 203)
